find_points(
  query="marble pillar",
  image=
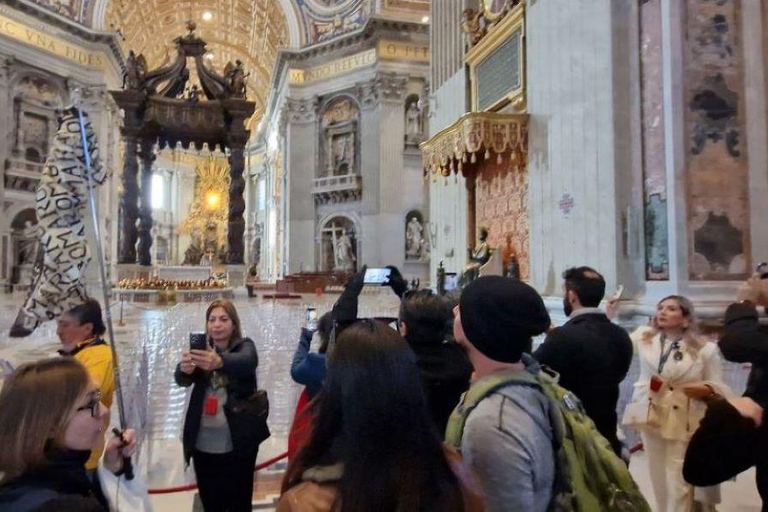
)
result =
(129, 202)
(301, 153)
(147, 157)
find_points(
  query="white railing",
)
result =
(22, 168)
(336, 183)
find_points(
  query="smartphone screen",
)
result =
(311, 318)
(377, 275)
(198, 341)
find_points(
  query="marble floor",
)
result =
(150, 340)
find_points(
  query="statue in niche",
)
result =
(478, 258)
(342, 152)
(413, 131)
(345, 254)
(415, 245)
(29, 242)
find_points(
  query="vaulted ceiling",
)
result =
(248, 30)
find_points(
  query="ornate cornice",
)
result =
(391, 86)
(71, 27)
(302, 110)
(364, 38)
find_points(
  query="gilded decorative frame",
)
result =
(492, 41)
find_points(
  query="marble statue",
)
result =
(414, 243)
(29, 242)
(413, 133)
(340, 151)
(478, 258)
(345, 254)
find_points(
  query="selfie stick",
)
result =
(127, 465)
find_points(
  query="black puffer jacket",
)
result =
(61, 486)
(240, 362)
(724, 445)
(744, 341)
(445, 372)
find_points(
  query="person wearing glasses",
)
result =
(679, 373)
(373, 447)
(51, 418)
(80, 332)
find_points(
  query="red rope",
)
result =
(192, 487)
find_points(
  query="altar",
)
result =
(186, 272)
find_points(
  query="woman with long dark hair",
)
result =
(373, 447)
(221, 436)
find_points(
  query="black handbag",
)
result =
(256, 405)
(248, 419)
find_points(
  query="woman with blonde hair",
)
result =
(51, 417)
(223, 425)
(679, 372)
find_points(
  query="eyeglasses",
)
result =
(93, 404)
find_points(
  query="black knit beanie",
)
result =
(500, 315)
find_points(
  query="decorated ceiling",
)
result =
(246, 30)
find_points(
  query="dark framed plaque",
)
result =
(497, 65)
(501, 73)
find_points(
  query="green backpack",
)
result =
(589, 477)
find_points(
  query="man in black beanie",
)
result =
(506, 438)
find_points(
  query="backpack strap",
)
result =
(476, 393)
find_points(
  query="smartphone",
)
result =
(310, 315)
(619, 292)
(198, 341)
(451, 281)
(762, 269)
(378, 276)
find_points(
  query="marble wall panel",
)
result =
(716, 171)
(653, 146)
(502, 206)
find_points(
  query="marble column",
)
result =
(370, 151)
(147, 157)
(392, 175)
(236, 224)
(129, 202)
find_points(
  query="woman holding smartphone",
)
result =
(221, 434)
(679, 373)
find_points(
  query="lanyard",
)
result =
(675, 345)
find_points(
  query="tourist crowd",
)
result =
(447, 410)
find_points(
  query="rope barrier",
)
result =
(192, 487)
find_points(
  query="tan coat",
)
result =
(318, 491)
(674, 414)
